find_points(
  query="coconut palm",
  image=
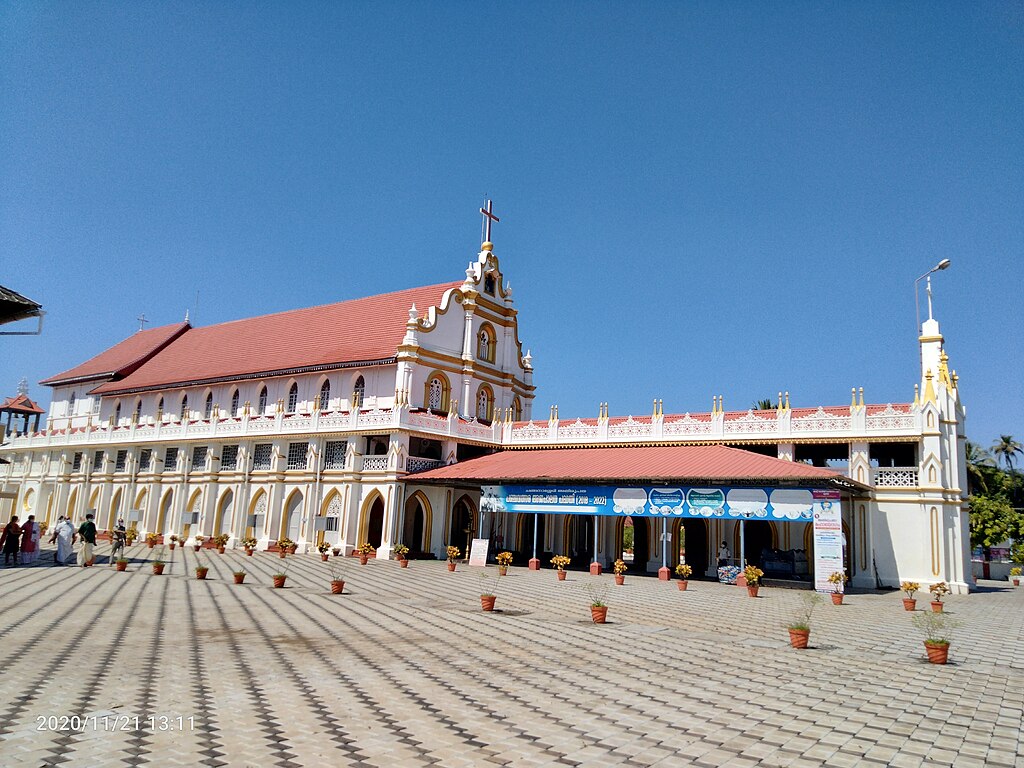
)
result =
(1006, 448)
(764, 405)
(980, 467)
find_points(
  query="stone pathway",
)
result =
(404, 669)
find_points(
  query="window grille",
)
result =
(208, 407)
(184, 408)
(261, 456)
(170, 459)
(71, 405)
(358, 391)
(76, 462)
(117, 415)
(293, 398)
(334, 454)
(325, 396)
(138, 410)
(229, 457)
(97, 461)
(297, 455)
(234, 403)
(120, 461)
(199, 457)
(146, 459)
(261, 407)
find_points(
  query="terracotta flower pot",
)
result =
(239, 578)
(938, 653)
(451, 566)
(248, 551)
(403, 563)
(324, 558)
(336, 551)
(282, 554)
(620, 579)
(150, 544)
(561, 575)
(752, 590)
(279, 581)
(364, 559)
(121, 566)
(172, 545)
(293, 549)
(197, 547)
(201, 573)
(337, 586)
(220, 550)
(158, 569)
(837, 598)
(599, 613)
(503, 570)
(937, 606)
(487, 602)
(1016, 582)
(909, 604)
(682, 584)
(798, 637)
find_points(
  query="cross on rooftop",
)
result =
(142, 321)
(488, 218)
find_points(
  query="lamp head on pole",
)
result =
(944, 264)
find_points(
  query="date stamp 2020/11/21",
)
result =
(115, 722)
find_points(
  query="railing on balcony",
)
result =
(375, 463)
(896, 477)
(416, 464)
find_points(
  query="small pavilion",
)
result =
(20, 405)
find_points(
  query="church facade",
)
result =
(315, 425)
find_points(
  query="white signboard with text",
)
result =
(828, 538)
(478, 552)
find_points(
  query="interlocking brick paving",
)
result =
(405, 669)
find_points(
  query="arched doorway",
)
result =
(224, 512)
(693, 545)
(375, 523)
(165, 508)
(417, 516)
(291, 525)
(524, 535)
(115, 505)
(758, 536)
(331, 509)
(462, 525)
(72, 502)
(579, 539)
(140, 506)
(633, 533)
(194, 504)
(257, 509)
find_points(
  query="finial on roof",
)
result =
(413, 314)
(860, 393)
(23, 386)
(787, 400)
(186, 315)
(527, 360)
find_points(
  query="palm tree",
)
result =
(1006, 448)
(979, 466)
(764, 405)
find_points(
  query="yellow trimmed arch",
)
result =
(364, 514)
(72, 501)
(218, 520)
(286, 517)
(115, 502)
(428, 516)
(164, 508)
(250, 530)
(446, 391)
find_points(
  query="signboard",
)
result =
(325, 524)
(189, 518)
(134, 515)
(828, 538)
(252, 521)
(726, 503)
(478, 552)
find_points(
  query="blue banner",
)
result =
(743, 503)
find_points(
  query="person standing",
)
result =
(724, 555)
(10, 541)
(64, 535)
(29, 540)
(87, 531)
(117, 541)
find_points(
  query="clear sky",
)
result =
(695, 198)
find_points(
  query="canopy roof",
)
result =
(670, 463)
(20, 404)
(14, 306)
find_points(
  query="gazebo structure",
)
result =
(20, 405)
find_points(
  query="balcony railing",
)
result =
(896, 477)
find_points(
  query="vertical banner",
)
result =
(478, 552)
(828, 537)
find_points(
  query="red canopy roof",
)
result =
(714, 463)
(20, 404)
(123, 358)
(358, 331)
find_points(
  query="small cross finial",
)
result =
(142, 321)
(489, 217)
(23, 386)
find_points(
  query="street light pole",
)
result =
(944, 264)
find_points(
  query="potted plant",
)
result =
(221, 540)
(292, 548)
(402, 553)
(598, 607)
(753, 576)
(938, 631)
(199, 542)
(152, 539)
(910, 588)
(619, 567)
(239, 576)
(487, 592)
(283, 547)
(249, 542)
(1015, 575)
(174, 541)
(800, 627)
(121, 563)
(337, 583)
(323, 548)
(158, 567)
(452, 553)
(365, 550)
(504, 560)
(683, 571)
(130, 535)
(837, 579)
(560, 562)
(280, 577)
(938, 590)
(201, 569)
(336, 551)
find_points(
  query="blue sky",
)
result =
(695, 198)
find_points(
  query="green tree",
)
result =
(993, 520)
(982, 472)
(764, 405)
(1006, 448)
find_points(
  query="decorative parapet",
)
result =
(896, 477)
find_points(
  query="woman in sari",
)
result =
(29, 540)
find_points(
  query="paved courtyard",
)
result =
(405, 670)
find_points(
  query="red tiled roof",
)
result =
(672, 463)
(123, 358)
(20, 404)
(360, 330)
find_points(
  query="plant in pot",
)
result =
(201, 568)
(560, 563)
(504, 560)
(199, 542)
(910, 588)
(280, 576)
(937, 629)
(239, 576)
(683, 571)
(837, 579)
(323, 548)
(365, 550)
(221, 540)
(800, 626)
(336, 551)
(938, 590)
(402, 553)
(121, 563)
(249, 542)
(753, 575)
(131, 535)
(1015, 575)
(598, 607)
(283, 547)
(337, 583)
(158, 567)
(488, 588)
(152, 539)
(619, 567)
(174, 541)
(452, 553)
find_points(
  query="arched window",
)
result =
(184, 408)
(208, 406)
(437, 391)
(517, 409)
(325, 396)
(71, 404)
(484, 403)
(293, 398)
(234, 403)
(160, 405)
(261, 405)
(117, 413)
(485, 343)
(358, 391)
(138, 410)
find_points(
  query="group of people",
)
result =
(20, 542)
